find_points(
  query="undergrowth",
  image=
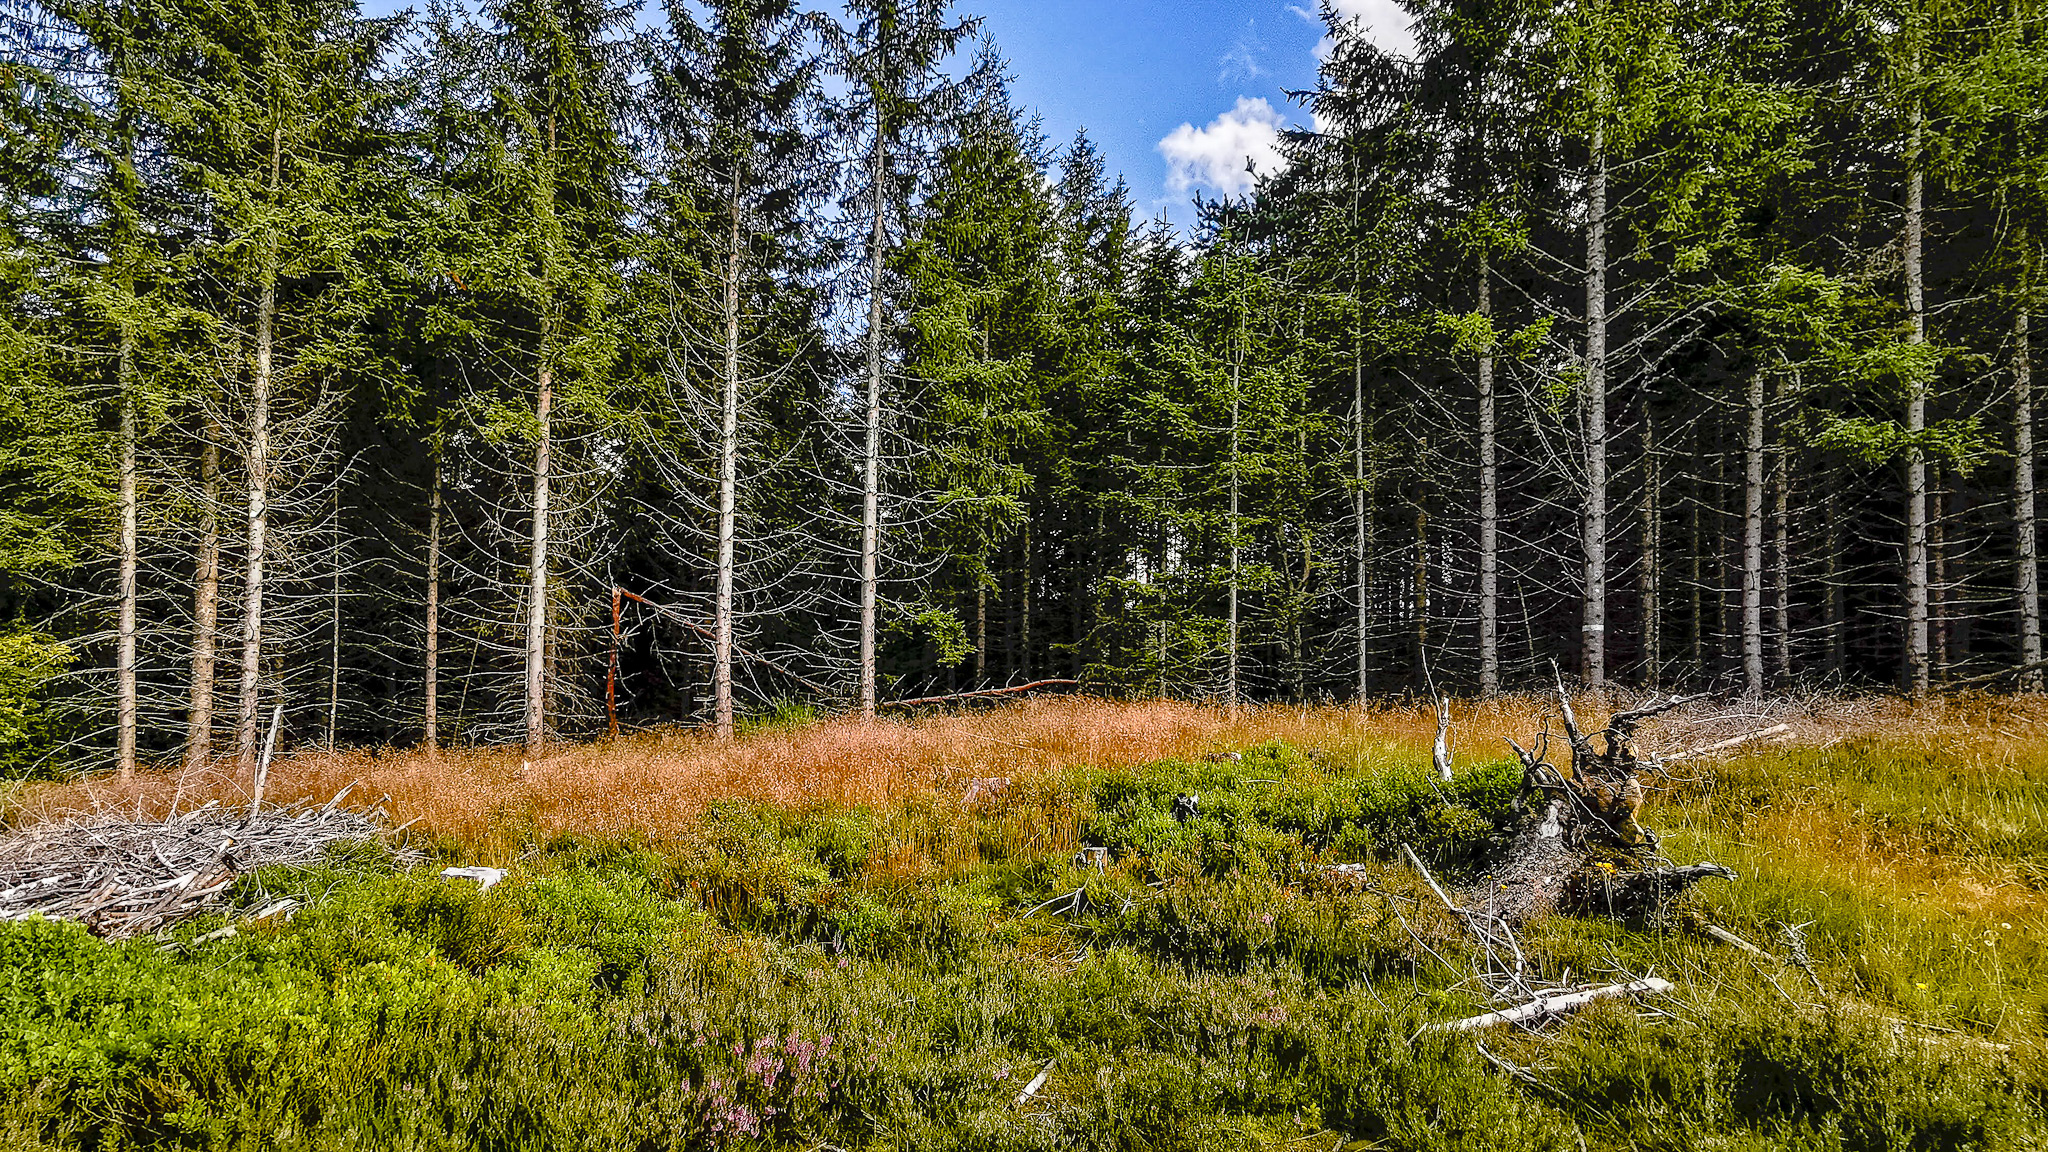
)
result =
(890, 976)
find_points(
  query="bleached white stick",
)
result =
(1553, 1005)
(1032, 1088)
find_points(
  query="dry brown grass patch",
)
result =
(655, 783)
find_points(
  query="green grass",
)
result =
(870, 978)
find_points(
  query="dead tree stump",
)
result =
(1579, 848)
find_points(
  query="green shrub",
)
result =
(29, 729)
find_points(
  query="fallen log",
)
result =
(1731, 742)
(1544, 1006)
(982, 694)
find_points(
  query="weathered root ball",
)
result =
(1640, 897)
(1579, 849)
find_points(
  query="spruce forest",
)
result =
(352, 363)
(681, 575)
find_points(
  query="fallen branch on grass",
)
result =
(1559, 1005)
(1037, 1082)
(983, 694)
(125, 877)
(1731, 742)
(1731, 939)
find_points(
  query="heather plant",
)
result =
(892, 975)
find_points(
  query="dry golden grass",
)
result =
(656, 783)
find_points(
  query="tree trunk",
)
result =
(130, 559)
(1781, 532)
(1753, 540)
(1489, 508)
(205, 601)
(1837, 602)
(2027, 544)
(728, 481)
(334, 651)
(871, 473)
(1697, 606)
(1918, 669)
(981, 631)
(1593, 631)
(432, 686)
(258, 460)
(258, 463)
(1937, 581)
(1230, 682)
(1359, 514)
(1027, 566)
(1422, 566)
(537, 560)
(1650, 592)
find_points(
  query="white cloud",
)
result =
(1242, 61)
(1214, 157)
(1384, 22)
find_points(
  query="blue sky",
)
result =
(1176, 94)
(1135, 72)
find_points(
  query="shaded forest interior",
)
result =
(353, 363)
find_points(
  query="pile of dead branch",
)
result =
(126, 877)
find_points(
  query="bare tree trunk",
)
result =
(1593, 632)
(433, 655)
(1027, 563)
(1781, 532)
(2027, 543)
(1937, 584)
(1753, 540)
(1837, 602)
(334, 651)
(1694, 546)
(1489, 508)
(258, 462)
(1918, 670)
(1652, 571)
(537, 560)
(537, 638)
(981, 631)
(1230, 686)
(1359, 515)
(205, 601)
(871, 474)
(1422, 564)
(130, 559)
(728, 481)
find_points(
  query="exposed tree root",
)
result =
(1579, 849)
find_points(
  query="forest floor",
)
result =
(827, 934)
